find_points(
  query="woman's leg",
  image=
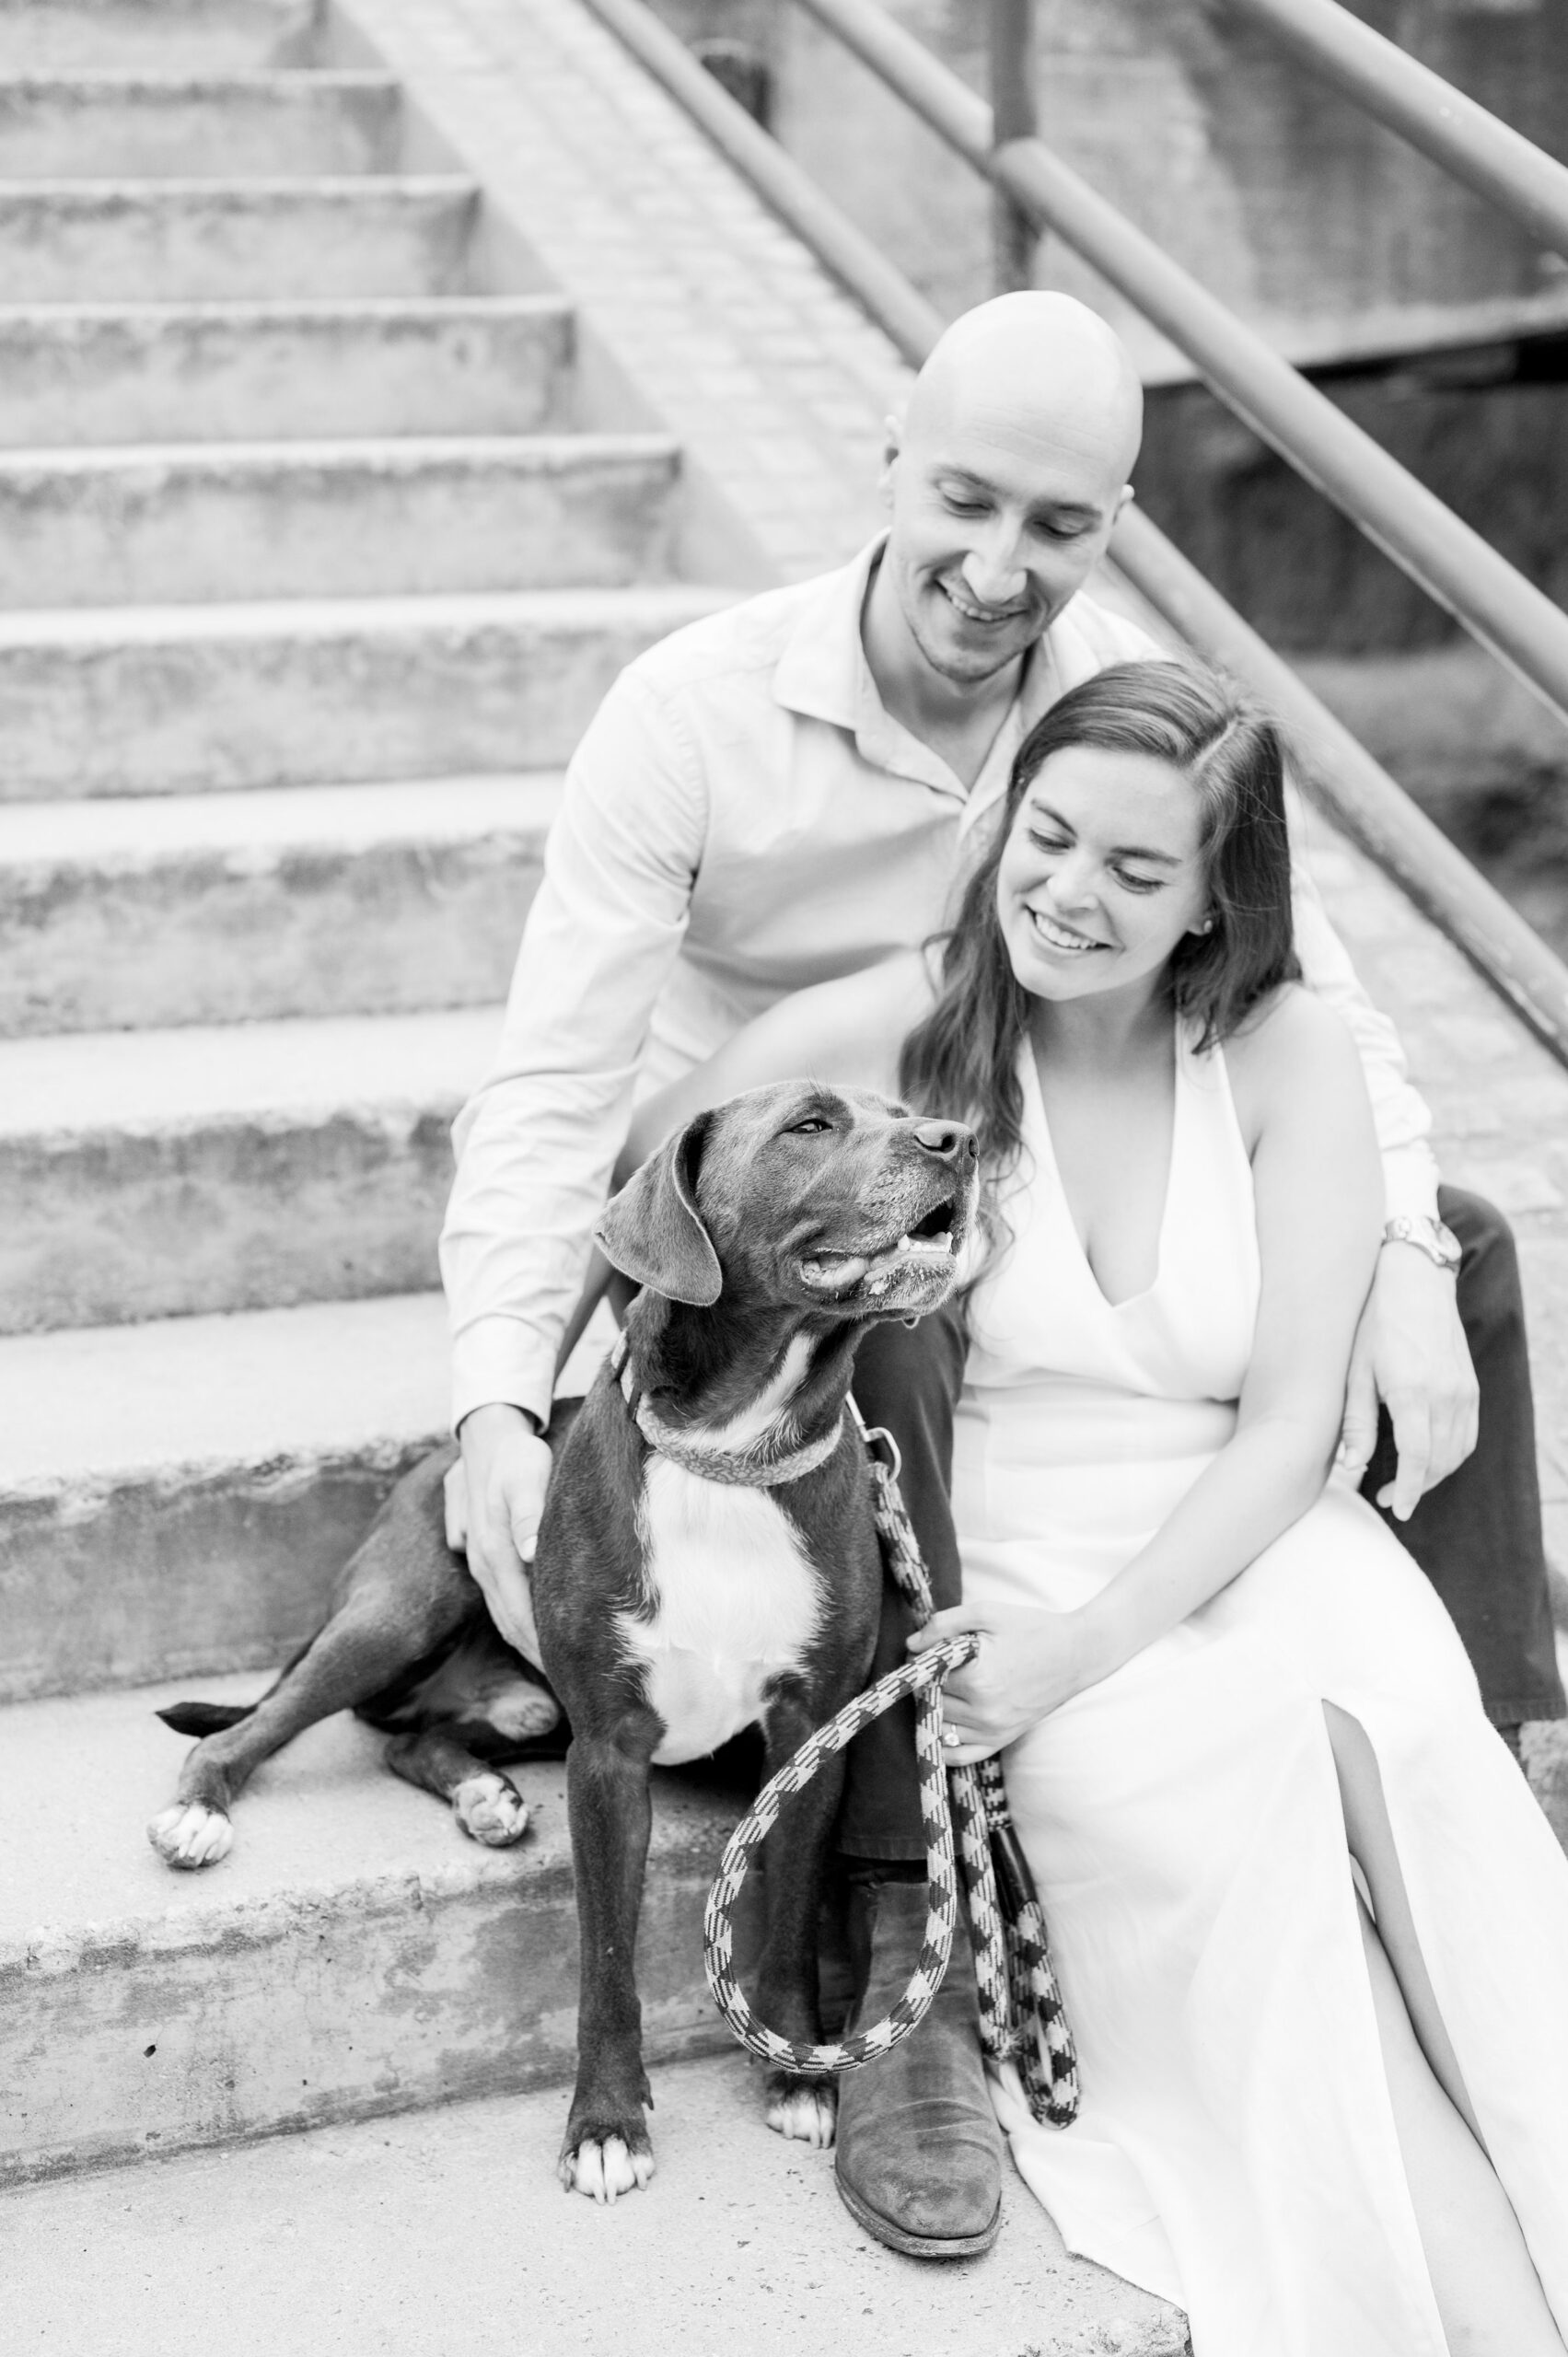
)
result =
(1486, 2290)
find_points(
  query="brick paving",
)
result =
(713, 313)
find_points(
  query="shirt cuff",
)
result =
(1410, 1181)
(501, 1360)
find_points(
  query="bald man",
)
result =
(784, 793)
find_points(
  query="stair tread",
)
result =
(323, 1815)
(291, 80)
(386, 453)
(97, 1404)
(389, 2230)
(89, 1404)
(670, 604)
(60, 318)
(88, 1083)
(113, 195)
(259, 819)
(323, 1818)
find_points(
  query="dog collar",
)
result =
(757, 1467)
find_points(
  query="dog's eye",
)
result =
(812, 1125)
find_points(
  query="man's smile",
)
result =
(992, 615)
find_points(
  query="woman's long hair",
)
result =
(963, 1058)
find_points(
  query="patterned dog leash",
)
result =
(1021, 2015)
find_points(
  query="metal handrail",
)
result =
(1342, 777)
(1450, 561)
(859, 266)
(1356, 791)
(1499, 163)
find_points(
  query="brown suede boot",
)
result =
(919, 2152)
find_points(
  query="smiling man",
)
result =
(786, 793)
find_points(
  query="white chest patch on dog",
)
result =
(735, 1600)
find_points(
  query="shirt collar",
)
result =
(824, 675)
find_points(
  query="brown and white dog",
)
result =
(707, 1560)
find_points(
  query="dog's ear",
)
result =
(652, 1230)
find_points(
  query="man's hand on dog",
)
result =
(494, 1497)
(1410, 1352)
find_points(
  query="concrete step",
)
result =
(176, 1497)
(170, 240)
(134, 124)
(357, 1954)
(227, 908)
(183, 700)
(237, 372)
(741, 2242)
(151, 1174)
(202, 36)
(418, 515)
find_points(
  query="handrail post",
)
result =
(1014, 116)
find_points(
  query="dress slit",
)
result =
(1393, 1920)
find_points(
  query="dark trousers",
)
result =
(1476, 1536)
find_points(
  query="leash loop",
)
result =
(1021, 2015)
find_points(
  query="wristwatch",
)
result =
(1429, 1235)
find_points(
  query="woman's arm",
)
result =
(849, 1031)
(1303, 1103)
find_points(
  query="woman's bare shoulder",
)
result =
(1293, 1051)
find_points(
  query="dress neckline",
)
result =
(1035, 1097)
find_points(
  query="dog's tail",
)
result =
(204, 1718)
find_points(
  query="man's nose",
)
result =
(992, 572)
(947, 1141)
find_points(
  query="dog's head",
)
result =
(799, 1196)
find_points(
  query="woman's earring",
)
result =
(1207, 925)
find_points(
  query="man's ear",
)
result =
(652, 1230)
(892, 444)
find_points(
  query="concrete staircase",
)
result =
(313, 565)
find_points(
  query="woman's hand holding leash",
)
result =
(1030, 1662)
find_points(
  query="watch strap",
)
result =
(1440, 1244)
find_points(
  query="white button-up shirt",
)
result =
(742, 819)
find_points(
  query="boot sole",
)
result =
(917, 2246)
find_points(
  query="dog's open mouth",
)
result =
(930, 1242)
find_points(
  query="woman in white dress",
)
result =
(1311, 1927)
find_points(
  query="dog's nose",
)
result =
(948, 1141)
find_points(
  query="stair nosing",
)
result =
(391, 453)
(230, 620)
(280, 309)
(295, 79)
(133, 834)
(241, 187)
(215, 1075)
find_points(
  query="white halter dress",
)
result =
(1236, 2149)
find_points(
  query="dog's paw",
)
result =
(190, 1834)
(805, 2111)
(491, 1808)
(604, 2167)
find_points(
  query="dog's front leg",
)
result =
(800, 2104)
(607, 2150)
